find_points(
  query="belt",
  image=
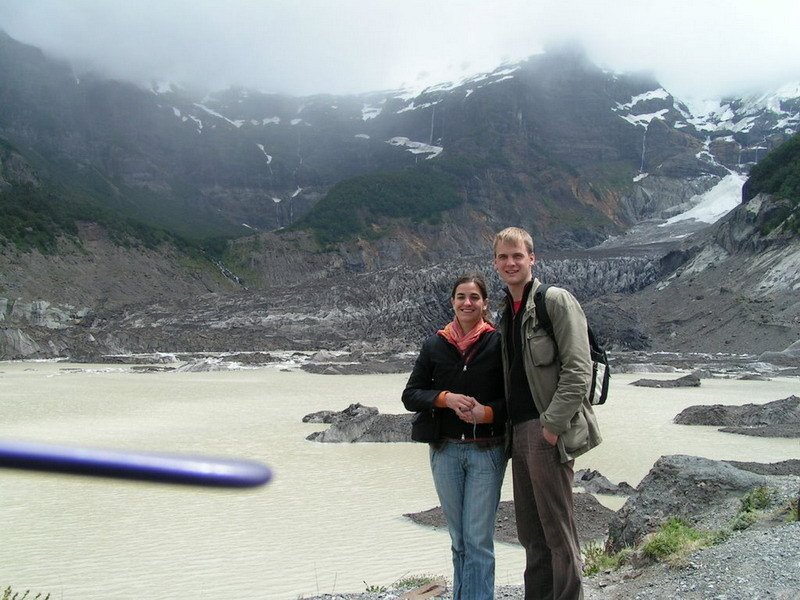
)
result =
(485, 441)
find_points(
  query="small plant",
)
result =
(675, 540)
(414, 581)
(743, 520)
(9, 594)
(596, 559)
(758, 498)
(753, 504)
(374, 589)
(793, 512)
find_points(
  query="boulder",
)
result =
(591, 519)
(705, 493)
(690, 380)
(358, 423)
(780, 418)
(594, 483)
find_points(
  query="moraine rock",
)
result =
(780, 418)
(594, 483)
(690, 380)
(705, 493)
(591, 519)
(790, 357)
(358, 423)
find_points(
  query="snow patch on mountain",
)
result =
(414, 106)
(416, 147)
(237, 123)
(370, 112)
(712, 205)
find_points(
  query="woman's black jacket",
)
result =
(440, 367)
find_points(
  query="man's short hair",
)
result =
(513, 235)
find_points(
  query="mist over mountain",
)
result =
(118, 196)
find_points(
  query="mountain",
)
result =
(120, 201)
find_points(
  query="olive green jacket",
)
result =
(559, 372)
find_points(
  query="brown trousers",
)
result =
(545, 517)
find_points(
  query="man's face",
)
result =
(513, 263)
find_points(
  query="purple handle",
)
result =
(143, 466)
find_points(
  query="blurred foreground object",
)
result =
(141, 466)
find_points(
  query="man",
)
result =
(547, 386)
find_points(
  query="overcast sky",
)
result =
(696, 48)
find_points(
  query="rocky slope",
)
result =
(553, 144)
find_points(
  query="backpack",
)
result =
(601, 372)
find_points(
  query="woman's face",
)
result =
(468, 305)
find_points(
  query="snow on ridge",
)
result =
(297, 192)
(416, 147)
(714, 204)
(413, 106)
(362, 136)
(657, 94)
(500, 74)
(271, 121)
(645, 119)
(237, 123)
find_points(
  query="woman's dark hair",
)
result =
(478, 280)
(475, 278)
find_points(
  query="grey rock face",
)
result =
(15, 343)
(358, 423)
(703, 492)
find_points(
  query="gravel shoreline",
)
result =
(762, 563)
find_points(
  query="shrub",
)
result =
(675, 540)
(758, 498)
(753, 503)
(596, 559)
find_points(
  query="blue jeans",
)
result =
(468, 479)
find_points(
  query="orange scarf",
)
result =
(453, 333)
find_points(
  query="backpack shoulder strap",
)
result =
(541, 309)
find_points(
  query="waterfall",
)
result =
(644, 147)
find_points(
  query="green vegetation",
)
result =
(778, 173)
(415, 581)
(374, 589)
(675, 540)
(671, 543)
(404, 583)
(596, 559)
(359, 206)
(9, 594)
(793, 511)
(753, 505)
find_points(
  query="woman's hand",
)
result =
(460, 404)
(477, 414)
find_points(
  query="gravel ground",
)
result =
(751, 565)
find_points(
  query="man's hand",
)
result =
(550, 438)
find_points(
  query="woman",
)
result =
(458, 379)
